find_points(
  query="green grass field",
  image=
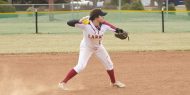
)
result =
(17, 34)
(149, 41)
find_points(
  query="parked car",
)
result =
(81, 4)
(177, 2)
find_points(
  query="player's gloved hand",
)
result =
(118, 30)
(121, 34)
(85, 20)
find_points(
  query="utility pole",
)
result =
(51, 9)
(119, 1)
(167, 3)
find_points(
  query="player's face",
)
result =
(100, 19)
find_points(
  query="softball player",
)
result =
(91, 43)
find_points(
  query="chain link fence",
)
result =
(52, 19)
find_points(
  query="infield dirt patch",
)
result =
(144, 73)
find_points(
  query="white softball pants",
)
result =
(85, 53)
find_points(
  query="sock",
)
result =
(70, 75)
(111, 75)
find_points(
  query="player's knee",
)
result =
(78, 68)
(81, 68)
(109, 67)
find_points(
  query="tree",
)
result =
(123, 2)
(160, 3)
(7, 9)
(39, 1)
(136, 5)
(187, 4)
(152, 2)
(3, 2)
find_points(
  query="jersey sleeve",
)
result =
(108, 28)
(76, 23)
(80, 25)
(109, 24)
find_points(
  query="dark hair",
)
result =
(95, 13)
(93, 17)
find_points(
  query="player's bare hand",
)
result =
(84, 20)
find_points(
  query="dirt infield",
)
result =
(144, 73)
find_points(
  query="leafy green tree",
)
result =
(7, 8)
(129, 4)
(39, 1)
(187, 4)
(3, 0)
(160, 3)
(136, 5)
(116, 2)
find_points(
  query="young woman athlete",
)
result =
(91, 43)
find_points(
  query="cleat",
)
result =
(63, 86)
(118, 84)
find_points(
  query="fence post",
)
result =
(36, 20)
(163, 19)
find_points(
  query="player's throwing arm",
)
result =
(94, 27)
